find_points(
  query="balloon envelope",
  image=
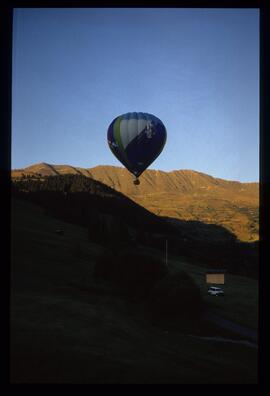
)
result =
(136, 139)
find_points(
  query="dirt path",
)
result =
(245, 332)
(222, 339)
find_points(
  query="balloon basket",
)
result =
(136, 181)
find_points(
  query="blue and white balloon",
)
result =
(136, 139)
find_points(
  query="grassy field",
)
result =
(67, 327)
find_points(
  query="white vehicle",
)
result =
(215, 291)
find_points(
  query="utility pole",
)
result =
(166, 253)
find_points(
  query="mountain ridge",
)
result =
(33, 169)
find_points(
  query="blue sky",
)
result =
(75, 70)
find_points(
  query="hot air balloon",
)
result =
(136, 139)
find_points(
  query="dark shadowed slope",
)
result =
(65, 327)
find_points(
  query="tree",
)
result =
(177, 297)
(135, 274)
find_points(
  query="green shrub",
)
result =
(176, 297)
(76, 250)
(134, 273)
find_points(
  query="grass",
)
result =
(67, 327)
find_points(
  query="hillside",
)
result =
(90, 203)
(67, 327)
(181, 195)
(112, 218)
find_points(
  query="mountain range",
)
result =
(180, 195)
